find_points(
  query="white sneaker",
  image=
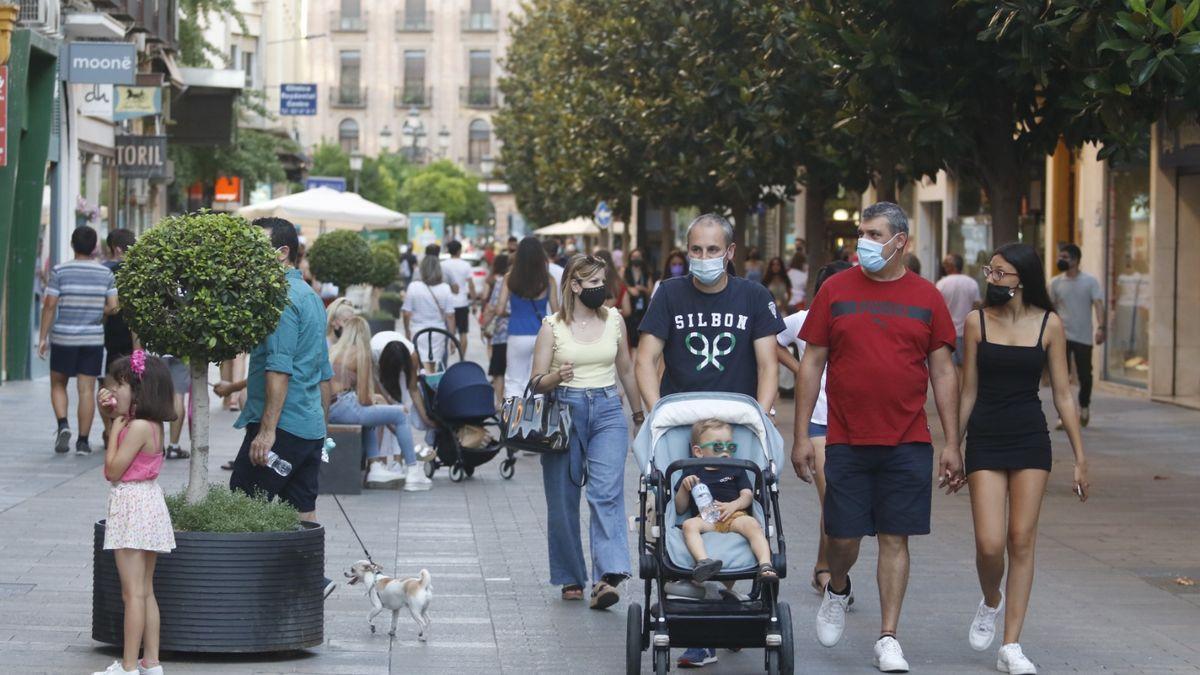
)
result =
(415, 479)
(983, 627)
(116, 669)
(380, 476)
(1012, 660)
(831, 618)
(143, 670)
(424, 452)
(889, 658)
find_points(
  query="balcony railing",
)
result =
(347, 23)
(154, 18)
(414, 22)
(415, 95)
(479, 97)
(480, 22)
(348, 97)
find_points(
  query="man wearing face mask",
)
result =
(886, 334)
(714, 331)
(1076, 294)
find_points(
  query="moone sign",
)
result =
(99, 63)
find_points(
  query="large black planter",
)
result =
(380, 325)
(245, 592)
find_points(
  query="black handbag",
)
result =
(536, 422)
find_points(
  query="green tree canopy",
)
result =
(379, 181)
(444, 187)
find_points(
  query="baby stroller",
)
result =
(456, 396)
(663, 450)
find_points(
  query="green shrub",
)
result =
(379, 315)
(390, 296)
(223, 510)
(385, 265)
(340, 257)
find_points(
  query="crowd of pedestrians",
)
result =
(610, 337)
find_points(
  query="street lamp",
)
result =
(385, 140)
(356, 162)
(414, 131)
(443, 141)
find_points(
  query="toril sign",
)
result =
(142, 156)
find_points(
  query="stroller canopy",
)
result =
(464, 393)
(679, 410)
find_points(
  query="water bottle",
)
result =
(280, 465)
(704, 503)
(329, 445)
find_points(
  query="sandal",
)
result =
(817, 586)
(176, 452)
(604, 595)
(228, 466)
(767, 574)
(572, 592)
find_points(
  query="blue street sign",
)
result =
(332, 182)
(603, 214)
(297, 99)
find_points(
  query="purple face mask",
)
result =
(676, 270)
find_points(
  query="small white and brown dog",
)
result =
(395, 594)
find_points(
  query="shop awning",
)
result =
(583, 226)
(203, 111)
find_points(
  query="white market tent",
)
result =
(583, 226)
(322, 210)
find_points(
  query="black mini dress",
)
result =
(1007, 429)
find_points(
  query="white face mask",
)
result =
(707, 271)
(870, 253)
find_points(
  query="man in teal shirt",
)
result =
(288, 391)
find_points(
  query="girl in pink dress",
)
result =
(138, 396)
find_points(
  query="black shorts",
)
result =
(75, 361)
(499, 361)
(298, 488)
(462, 319)
(872, 489)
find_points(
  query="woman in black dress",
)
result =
(1007, 345)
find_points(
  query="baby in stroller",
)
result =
(722, 504)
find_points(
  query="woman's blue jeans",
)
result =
(346, 409)
(599, 436)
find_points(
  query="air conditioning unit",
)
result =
(42, 16)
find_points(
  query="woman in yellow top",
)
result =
(581, 351)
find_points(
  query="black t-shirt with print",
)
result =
(725, 483)
(709, 337)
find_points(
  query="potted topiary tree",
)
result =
(385, 268)
(206, 287)
(342, 258)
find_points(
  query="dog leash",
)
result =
(351, 524)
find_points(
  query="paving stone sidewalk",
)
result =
(1105, 596)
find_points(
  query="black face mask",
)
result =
(592, 298)
(1063, 265)
(999, 295)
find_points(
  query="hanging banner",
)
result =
(99, 62)
(3, 115)
(228, 189)
(142, 156)
(93, 100)
(131, 102)
(426, 228)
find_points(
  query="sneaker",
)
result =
(831, 617)
(143, 670)
(415, 479)
(330, 586)
(82, 447)
(62, 440)
(1012, 660)
(379, 476)
(697, 657)
(704, 569)
(889, 658)
(983, 627)
(425, 452)
(116, 669)
(1085, 415)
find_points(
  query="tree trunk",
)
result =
(742, 217)
(1004, 193)
(198, 468)
(1001, 172)
(815, 232)
(885, 183)
(667, 235)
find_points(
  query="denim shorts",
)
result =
(873, 489)
(815, 430)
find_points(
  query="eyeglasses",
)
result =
(721, 446)
(997, 274)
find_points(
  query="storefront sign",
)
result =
(142, 156)
(332, 182)
(297, 99)
(93, 100)
(130, 102)
(228, 189)
(100, 63)
(3, 115)
(426, 228)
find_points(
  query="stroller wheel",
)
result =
(633, 639)
(431, 468)
(507, 469)
(457, 474)
(780, 660)
(662, 660)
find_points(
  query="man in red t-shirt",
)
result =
(885, 334)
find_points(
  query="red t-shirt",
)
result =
(879, 335)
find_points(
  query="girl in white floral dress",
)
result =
(138, 396)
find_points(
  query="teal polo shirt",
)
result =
(297, 348)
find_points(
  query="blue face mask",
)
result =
(870, 254)
(707, 271)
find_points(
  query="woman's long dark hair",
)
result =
(529, 277)
(1030, 272)
(639, 264)
(829, 270)
(395, 362)
(153, 393)
(499, 269)
(769, 276)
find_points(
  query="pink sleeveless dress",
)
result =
(137, 511)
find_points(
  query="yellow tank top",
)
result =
(595, 362)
